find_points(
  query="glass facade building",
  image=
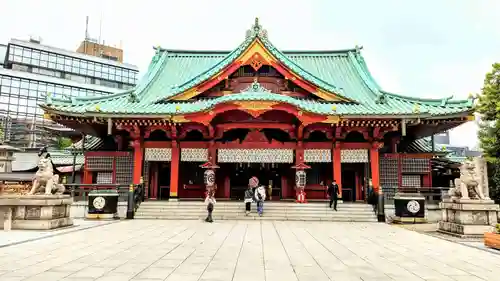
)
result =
(30, 71)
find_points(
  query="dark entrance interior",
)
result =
(353, 175)
(268, 174)
(163, 181)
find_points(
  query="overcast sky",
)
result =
(426, 48)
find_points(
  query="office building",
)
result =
(30, 71)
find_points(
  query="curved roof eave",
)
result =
(367, 77)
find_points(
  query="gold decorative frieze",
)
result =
(179, 119)
(332, 119)
(256, 105)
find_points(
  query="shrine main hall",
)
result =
(290, 118)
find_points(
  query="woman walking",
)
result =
(210, 201)
(260, 197)
(248, 200)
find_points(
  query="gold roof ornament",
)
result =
(416, 108)
(97, 107)
(334, 108)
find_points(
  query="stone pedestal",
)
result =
(467, 217)
(35, 212)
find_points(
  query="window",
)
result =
(18, 51)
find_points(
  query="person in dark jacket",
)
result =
(248, 200)
(333, 192)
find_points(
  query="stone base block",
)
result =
(35, 212)
(405, 220)
(464, 230)
(42, 224)
(102, 216)
(467, 218)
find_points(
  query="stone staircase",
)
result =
(231, 210)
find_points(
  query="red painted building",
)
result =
(258, 111)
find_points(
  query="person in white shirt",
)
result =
(260, 197)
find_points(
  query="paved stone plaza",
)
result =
(245, 250)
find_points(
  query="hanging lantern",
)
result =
(300, 179)
(253, 182)
(209, 177)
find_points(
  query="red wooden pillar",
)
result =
(374, 164)
(174, 170)
(138, 156)
(337, 166)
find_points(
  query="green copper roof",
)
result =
(343, 72)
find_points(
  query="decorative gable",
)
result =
(256, 52)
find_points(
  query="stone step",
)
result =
(265, 217)
(330, 213)
(232, 210)
(267, 205)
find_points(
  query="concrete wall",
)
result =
(79, 210)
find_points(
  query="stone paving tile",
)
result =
(245, 250)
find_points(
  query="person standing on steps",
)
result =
(248, 199)
(210, 201)
(333, 192)
(260, 197)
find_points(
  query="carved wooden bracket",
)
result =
(326, 129)
(363, 130)
(377, 144)
(173, 133)
(379, 133)
(119, 142)
(150, 129)
(133, 130)
(194, 127)
(135, 144)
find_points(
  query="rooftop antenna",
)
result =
(86, 35)
(99, 41)
(87, 28)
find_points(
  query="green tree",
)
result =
(489, 128)
(63, 143)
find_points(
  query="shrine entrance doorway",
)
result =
(270, 175)
(353, 181)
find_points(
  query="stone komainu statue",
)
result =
(45, 180)
(468, 185)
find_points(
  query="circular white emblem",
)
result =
(413, 206)
(99, 202)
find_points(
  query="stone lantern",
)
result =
(6, 157)
(300, 182)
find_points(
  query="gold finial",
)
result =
(177, 108)
(256, 21)
(416, 108)
(97, 107)
(334, 108)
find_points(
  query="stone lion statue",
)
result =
(467, 186)
(45, 181)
